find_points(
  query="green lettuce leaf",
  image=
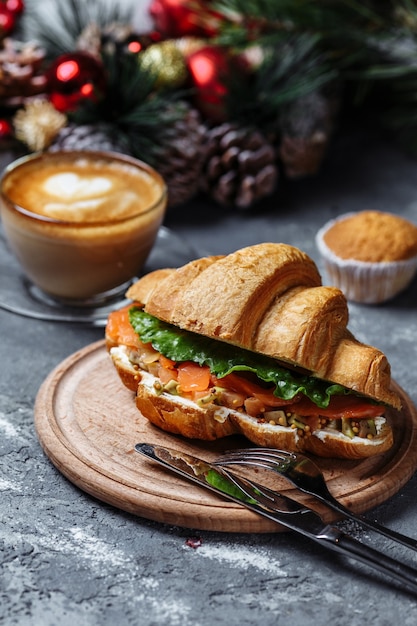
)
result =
(224, 484)
(223, 358)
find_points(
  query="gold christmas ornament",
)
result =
(188, 45)
(37, 124)
(166, 61)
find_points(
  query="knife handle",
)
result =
(332, 537)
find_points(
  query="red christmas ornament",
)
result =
(73, 79)
(7, 21)
(179, 18)
(209, 68)
(15, 6)
(6, 129)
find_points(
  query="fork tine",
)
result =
(253, 462)
(271, 453)
(254, 450)
(271, 459)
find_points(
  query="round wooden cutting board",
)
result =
(88, 425)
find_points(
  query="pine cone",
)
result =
(241, 166)
(307, 127)
(182, 157)
(20, 72)
(100, 136)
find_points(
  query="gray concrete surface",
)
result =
(67, 559)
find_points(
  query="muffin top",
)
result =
(372, 236)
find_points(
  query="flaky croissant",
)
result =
(269, 299)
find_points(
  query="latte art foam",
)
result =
(84, 190)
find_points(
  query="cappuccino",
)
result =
(81, 224)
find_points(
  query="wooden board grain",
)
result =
(88, 424)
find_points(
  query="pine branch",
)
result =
(324, 16)
(289, 71)
(340, 26)
(128, 86)
(57, 26)
(141, 115)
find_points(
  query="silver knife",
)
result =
(276, 507)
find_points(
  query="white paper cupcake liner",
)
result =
(360, 281)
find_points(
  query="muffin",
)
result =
(371, 256)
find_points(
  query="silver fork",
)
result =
(304, 474)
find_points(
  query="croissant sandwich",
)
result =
(253, 344)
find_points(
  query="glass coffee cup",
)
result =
(81, 224)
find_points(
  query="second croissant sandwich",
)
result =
(253, 344)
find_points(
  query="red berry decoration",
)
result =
(209, 68)
(179, 18)
(7, 21)
(73, 79)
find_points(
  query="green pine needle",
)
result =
(57, 25)
(289, 71)
(142, 115)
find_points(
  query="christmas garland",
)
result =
(224, 97)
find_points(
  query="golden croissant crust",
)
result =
(269, 298)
